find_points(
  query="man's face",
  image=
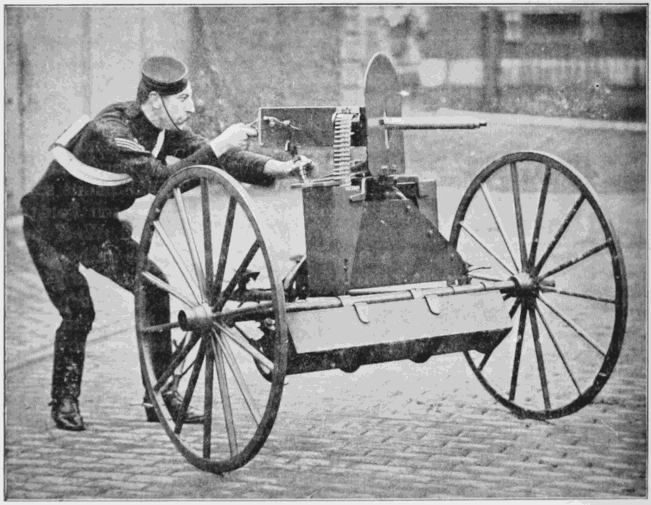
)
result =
(179, 107)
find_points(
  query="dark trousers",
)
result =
(57, 254)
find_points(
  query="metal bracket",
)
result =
(362, 312)
(346, 301)
(355, 111)
(274, 121)
(361, 196)
(434, 304)
(416, 293)
(291, 276)
(361, 308)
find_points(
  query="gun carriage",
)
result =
(378, 281)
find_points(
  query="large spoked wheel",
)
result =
(204, 250)
(532, 218)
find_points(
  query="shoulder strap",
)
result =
(86, 173)
(159, 144)
(70, 132)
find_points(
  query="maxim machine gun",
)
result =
(378, 281)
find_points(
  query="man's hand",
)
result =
(303, 168)
(234, 137)
(300, 167)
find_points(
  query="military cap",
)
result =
(164, 74)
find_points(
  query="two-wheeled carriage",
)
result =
(530, 286)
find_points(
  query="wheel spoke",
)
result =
(225, 395)
(539, 357)
(498, 222)
(176, 361)
(192, 382)
(189, 237)
(159, 327)
(514, 308)
(485, 247)
(207, 235)
(174, 253)
(485, 359)
(518, 215)
(207, 400)
(266, 364)
(487, 356)
(239, 379)
(182, 374)
(518, 353)
(246, 346)
(558, 349)
(575, 260)
(178, 345)
(559, 234)
(577, 294)
(169, 289)
(572, 325)
(226, 244)
(539, 215)
(237, 277)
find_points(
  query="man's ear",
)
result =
(155, 100)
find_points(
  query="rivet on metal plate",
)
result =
(362, 312)
(434, 304)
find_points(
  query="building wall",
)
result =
(575, 45)
(454, 33)
(548, 46)
(64, 62)
(265, 56)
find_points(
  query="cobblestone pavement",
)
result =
(393, 431)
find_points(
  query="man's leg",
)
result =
(68, 290)
(117, 260)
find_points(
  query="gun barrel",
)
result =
(431, 123)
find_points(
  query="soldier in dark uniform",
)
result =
(70, 217)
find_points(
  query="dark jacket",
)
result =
(61, 200)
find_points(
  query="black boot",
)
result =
(66, 415)
(66, 381)
(173, 401)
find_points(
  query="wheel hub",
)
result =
(525, 285)
(197, 318)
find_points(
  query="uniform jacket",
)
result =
(120, 140)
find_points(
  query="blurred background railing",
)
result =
(585, 61)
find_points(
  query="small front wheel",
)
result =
(214, 259)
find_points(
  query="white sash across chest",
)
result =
(86, 173)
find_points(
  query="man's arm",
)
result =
(110, 146)
(229, 147)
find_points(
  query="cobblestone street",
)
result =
(393, 431)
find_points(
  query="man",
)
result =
(70, 217)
